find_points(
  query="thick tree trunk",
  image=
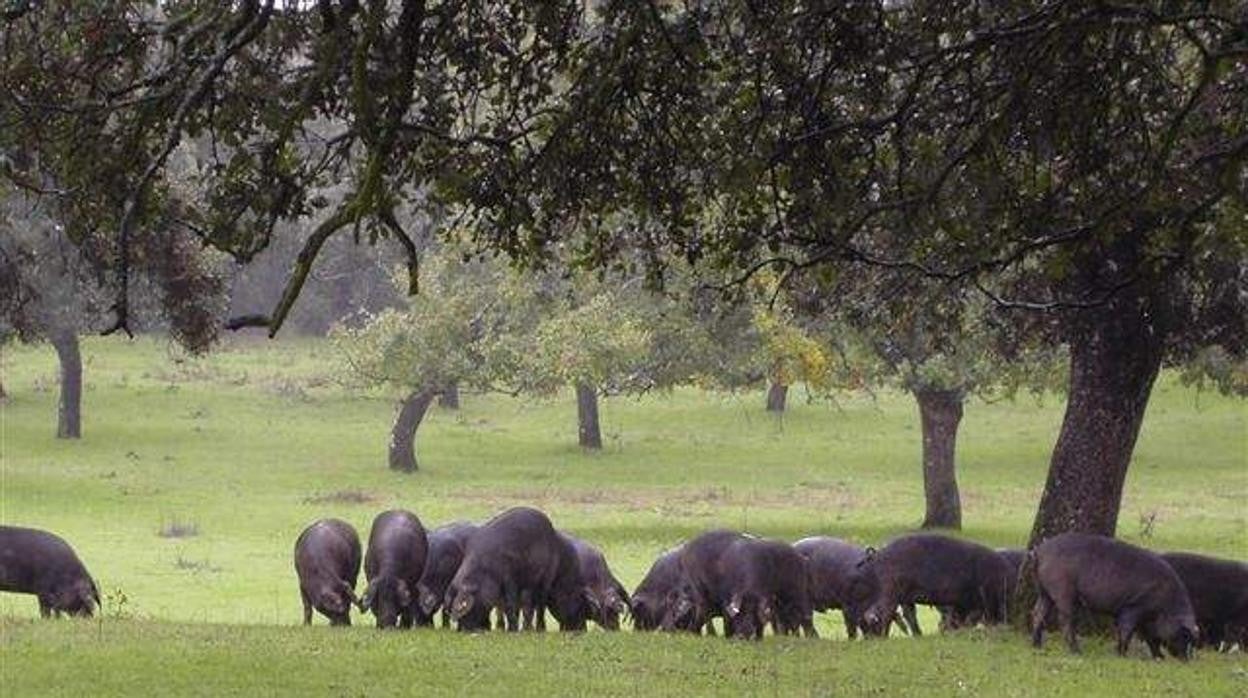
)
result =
(1115, 354)
(940, 412)
(590, 434)
(777, 396)
(449, 398)
(3, 395)
(403, 436)
(69, 411)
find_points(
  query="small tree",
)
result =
(938, 344)
(787, 351)
(457, 331)
(52, 292)
(598, 346)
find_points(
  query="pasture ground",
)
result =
(194, 477)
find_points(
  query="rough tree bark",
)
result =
(1115, 355)
(777, 396)
(590, 433)
(449, 398)
(69, 410)
(403, 436)
(940, 413)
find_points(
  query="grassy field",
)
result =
(248, 445)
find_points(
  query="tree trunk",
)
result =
(69, 411)
(777, 395)
(587, 416)
(449, 398)
(940, 412)
(403, 436)
(1115, 354)
(3, 395)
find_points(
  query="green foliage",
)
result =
(1215, 367)
(462, 328)
(598, 342)
(785, 350)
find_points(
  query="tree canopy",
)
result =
(1083, 162)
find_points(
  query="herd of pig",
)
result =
(517, 567)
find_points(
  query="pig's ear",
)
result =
(429, 601)
(405, 593)
(592, 599)
(765, 610)
(461, 605)
(681, 606)
(349, 593)
(615, 601)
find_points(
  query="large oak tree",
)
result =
(1080, 160)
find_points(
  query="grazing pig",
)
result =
(1013, 558)
(650, 600)
(393, 564)
(766, 581)
(1104, 575)
(608, 599)
(839, 580)
(327, 562)
(518, 562)
(924, 568)
(1218, 590)
(41, 563)
(446, 551)
(701, 593)
(570, 597)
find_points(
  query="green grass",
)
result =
(252, 443)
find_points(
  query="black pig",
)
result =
(922, 568)
(393, 564)
(327, 562)
(1104, 575)
(649, 603)
(446, 551)
(41, 563)
(608, 599)
(701, 592)
(1218, 590)
(765, 581)
(839, 580)
(516, 563)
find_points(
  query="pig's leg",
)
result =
(1154, 646)
(912, 618)
(511, 607)
(539, 615)
(851, 625)
(1125, 624)
(1039, 614)
(1066, 617)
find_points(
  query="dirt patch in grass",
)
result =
(178, 529)
(689, 502)
(342, 497)
(195, 565)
